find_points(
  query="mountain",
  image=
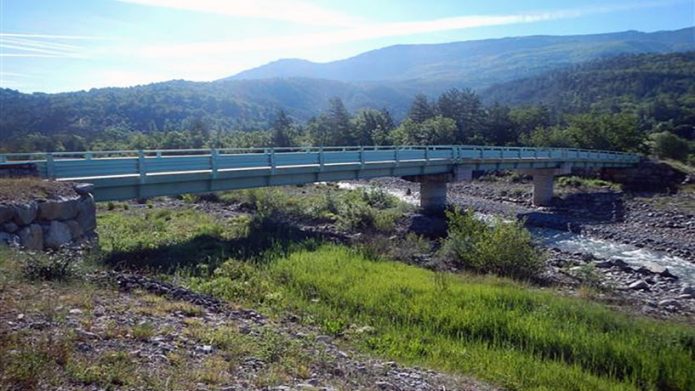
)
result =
(478, 63)
(385, 78)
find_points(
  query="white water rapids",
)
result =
(576, 243)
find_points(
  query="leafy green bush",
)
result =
(503, 248)
(667, 145)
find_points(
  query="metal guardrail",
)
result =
(85, 164)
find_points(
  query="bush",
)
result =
(53, 266)
(667, 145)
(502, 248)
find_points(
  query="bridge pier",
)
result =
(433, 188)
(543, 183)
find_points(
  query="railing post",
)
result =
(3, 159)
(427, 155)
(214, 153)
(141, 166)
(272, 161)
(322, 158)
(50, 166)
(361, 156)
(88, 156)
(398, 156)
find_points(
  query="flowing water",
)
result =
(577, 243)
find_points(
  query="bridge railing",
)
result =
(145, 162)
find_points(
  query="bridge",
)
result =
(123, 175)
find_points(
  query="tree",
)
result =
(434, 131)
(281, 128)
(339, 122)
(421, 109)
(464, 107)
(499, 128)
(667, 145)
(371, 126)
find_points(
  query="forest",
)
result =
(642, 103)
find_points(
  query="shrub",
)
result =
(52, 266)
(503, 248)
(667, 145)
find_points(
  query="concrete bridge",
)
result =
(122, 175)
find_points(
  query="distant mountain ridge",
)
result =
(303, 88)
(476, 63)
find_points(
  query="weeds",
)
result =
(503, 248)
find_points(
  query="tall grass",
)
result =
(497, 330)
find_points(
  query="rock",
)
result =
(64, 209)
(31, 237)
(687, 290)
(207, 349)
(668, 303)
(10, 227)
(20, 316)
(84, 189)
(638, 285)
(685, 296)
(24, 214)
(653, 268)
(8, 239)
(383, 385)
(75, 311)
(58, 235)
(76, 231)
(6, 213)
(611, 263)
(87, 213)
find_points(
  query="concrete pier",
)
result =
(542, 189)
(433, 196)
(543, 181)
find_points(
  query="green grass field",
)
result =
(506, 333)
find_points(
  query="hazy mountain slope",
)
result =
(230, 104)
(478, 63)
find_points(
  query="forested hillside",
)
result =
(661, 88)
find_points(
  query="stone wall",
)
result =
(49, 224)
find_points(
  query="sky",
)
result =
(69, 45)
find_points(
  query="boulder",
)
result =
(84, 189)
(653, 268)
(31, 237)
(639, 285)
(6, 213)
(87, 213)
(64, 209)
(8, 239)
(10, 227)
(57, 235)
(76, 231)
(24, 214)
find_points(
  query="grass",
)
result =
(14, 190)
(586, 183)
(497, 330)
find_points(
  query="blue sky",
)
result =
(67, 45)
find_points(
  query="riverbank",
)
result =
(596, 238)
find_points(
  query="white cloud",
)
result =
(283, 10)
(361, 33)
(41, 45)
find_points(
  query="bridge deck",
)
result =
(134, 174)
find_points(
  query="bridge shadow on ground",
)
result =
(571, 212)
(265, 239)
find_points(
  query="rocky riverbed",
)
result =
(662, 223)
